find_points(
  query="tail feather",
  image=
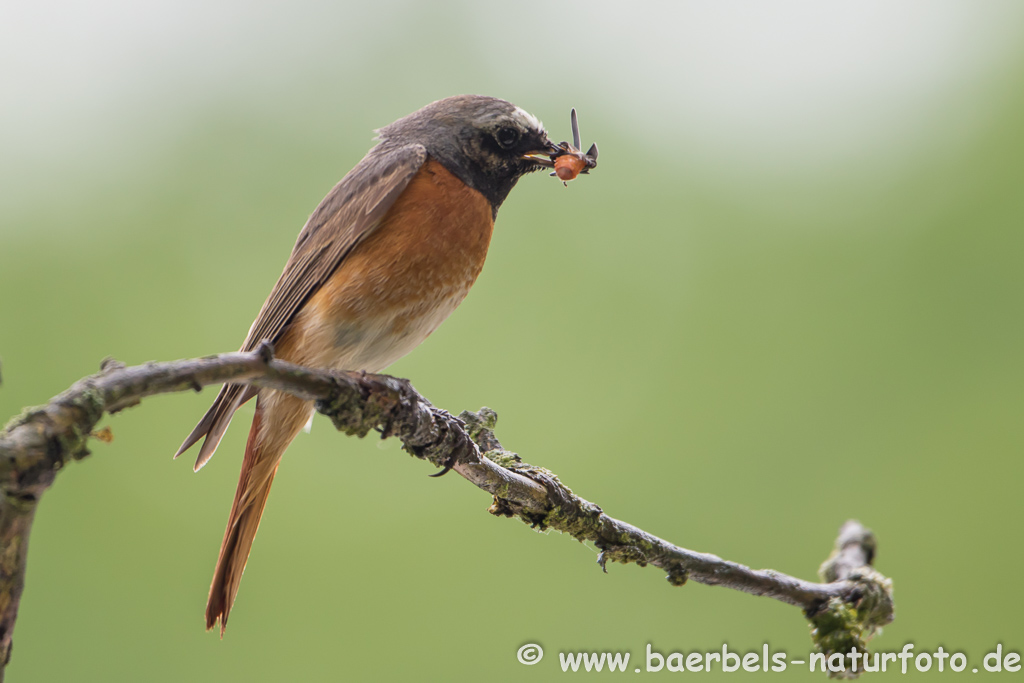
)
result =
(215, 422)
(250, 498)
(279, 418)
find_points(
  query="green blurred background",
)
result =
(791, 294)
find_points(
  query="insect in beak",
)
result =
(569, 161)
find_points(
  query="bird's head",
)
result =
(486, 142)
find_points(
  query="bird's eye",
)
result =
(507, 137)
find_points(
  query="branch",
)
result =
(847, 608)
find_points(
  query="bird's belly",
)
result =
(376, 342)
(401, 282)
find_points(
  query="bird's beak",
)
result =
(542, 156)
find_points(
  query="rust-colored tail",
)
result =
(258, 469)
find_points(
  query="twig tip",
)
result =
(265, 351)
(109, 364)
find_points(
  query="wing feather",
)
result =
(349, 212)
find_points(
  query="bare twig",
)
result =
(36, 444)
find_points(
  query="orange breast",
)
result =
(401, 282)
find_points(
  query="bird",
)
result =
(381, 262)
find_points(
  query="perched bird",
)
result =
(382, 261)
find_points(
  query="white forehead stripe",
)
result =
(527, 119)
